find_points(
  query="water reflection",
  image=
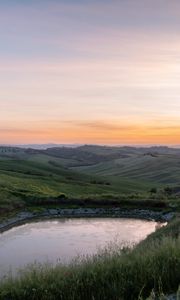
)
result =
(63, 239)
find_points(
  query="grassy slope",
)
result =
(45, 177)
(154, 264)
(122, 185)
(159, 170)
(42, 179)
(88, 171)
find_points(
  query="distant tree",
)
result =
(62, 197)
(153, 191)
(168, 190)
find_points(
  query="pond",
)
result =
(63, 239)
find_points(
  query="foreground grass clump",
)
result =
(128, 274)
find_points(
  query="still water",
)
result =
(64, 239)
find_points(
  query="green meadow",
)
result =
(30, 177)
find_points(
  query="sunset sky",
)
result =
(90, 71)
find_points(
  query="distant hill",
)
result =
(41, 146)
(160, 165)
(86, 170)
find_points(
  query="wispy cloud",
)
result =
(103, 126)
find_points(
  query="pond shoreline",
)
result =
(115, 212)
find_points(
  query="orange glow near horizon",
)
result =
(95, 133)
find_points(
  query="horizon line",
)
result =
(88, 144)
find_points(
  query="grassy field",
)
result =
(160, 169)
(150, 268)
(90, 172)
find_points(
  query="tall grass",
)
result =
(128, 274)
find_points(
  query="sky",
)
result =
(90, 71)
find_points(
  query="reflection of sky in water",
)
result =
(65, 238)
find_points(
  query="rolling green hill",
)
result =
(87, 171)
(159, 169)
